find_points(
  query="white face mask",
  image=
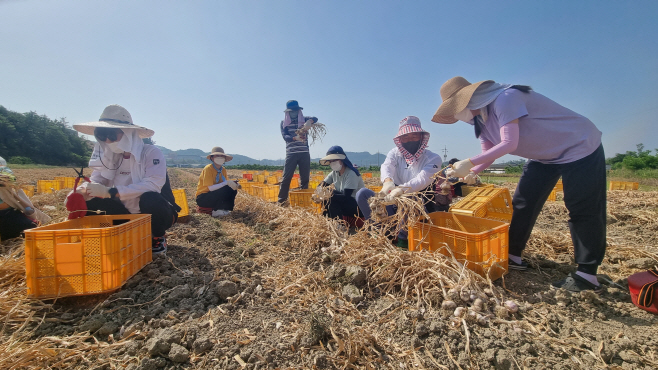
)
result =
(219, 161)
(114, 147)
(466, 115)
(336, 166)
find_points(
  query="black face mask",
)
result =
(411, 146)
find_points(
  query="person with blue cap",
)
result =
(297, 151)
(347, 182)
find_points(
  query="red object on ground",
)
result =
(644, 290)
(295, 176)
(205, 210)
(75, 202)
(353, 221)
(248, 176)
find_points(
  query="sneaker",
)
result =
(575, 283)
(159, 245)
(220, 213)
(403, 243)
(517, 266)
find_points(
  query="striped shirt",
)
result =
(288, 132)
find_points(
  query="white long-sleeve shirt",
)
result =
(152, 169)
(415, 177)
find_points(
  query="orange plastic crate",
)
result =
(67, 182)
(302, 198)
(28, 190)
(269, 193)
(481, 245)
(247, 176)
(294, 183)
(375, 188)
(181, 199)
(367, 175)
(491, 203)
(48, 186)
(623, 185)
(89, 255)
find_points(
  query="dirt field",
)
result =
(270, 287)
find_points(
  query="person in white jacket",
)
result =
(128, 176)
(408, 167)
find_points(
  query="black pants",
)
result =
(13, 222)
(162, 215)
(292, 160)
(341, 205)
(223, 198)
(584, 196)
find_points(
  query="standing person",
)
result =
(17, 213)
(129, 177)
(347, 182)
(514, 119)
(214, 189)
(409, 167)
(297, 151)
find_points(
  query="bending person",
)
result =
(514, 119)
(409, 167)
(214, 189)
(347, 181)
(129, 177)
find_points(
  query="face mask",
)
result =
(219, 161)
(336, 166)
(411, 146)
(466, 115)
(114, 147)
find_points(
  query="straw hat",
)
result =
(456, 93)
(113, 116)
(219, 151)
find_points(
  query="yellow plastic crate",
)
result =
(623, 185)
(89, 255)
(28, 190)
(272, 180)
(375, 188)
(491, 203)
(266, 173)
(248, 187)
(294, 183)
(317, 178)
(553, 195)
(269, 193)
(181, 199)
(67, 182)
(259, 179)
(469, 189)
(302, 198)
(313, 184)
(48, 186)
(559, 186)
(481, 245)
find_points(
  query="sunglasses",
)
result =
(103, 133)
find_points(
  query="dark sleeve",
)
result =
(286, 135)
(315, 119)
(348, 192)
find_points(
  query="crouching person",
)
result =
(17, 213)
(215, 190)
(346, 180)
(129, 177)
(409, 167)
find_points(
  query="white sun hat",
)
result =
(113, 116)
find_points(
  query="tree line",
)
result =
(27, 138)
(639, 160)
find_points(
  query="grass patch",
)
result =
(29, 166)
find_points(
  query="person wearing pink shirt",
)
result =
(558, 142)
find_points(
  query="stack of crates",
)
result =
(48, 186)
(269, 193)
(272, 180)
(89, 255)
(67, 182)
(248, 187)
(302, 198)
(28, 190)
(260, 179)
(623, 185)
(491, 203)
(266, 173)
(181, 200)
(480, 244)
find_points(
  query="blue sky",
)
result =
(218, 73)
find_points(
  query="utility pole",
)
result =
(445, 153)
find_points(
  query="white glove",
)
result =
(98, 190)
(470, 179)
(308, 124)
(394, 194)
(297, 138)
(460, 169)
(387, 187)
(217, 186)
(232, 185)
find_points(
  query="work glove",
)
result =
(394, 194)
(308, 123)
(98, 190)
(232, 185)
(460, 169)
(387, 187)
(470, 179)
(297, 138)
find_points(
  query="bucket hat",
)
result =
(456, 93)
(410, 124)
(219, 151)
(292, 105)
(113, 116)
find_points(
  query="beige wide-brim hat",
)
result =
(456, 93)
(219, 151)
(331, 157)
(114, 116)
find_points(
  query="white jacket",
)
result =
(415, 177)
